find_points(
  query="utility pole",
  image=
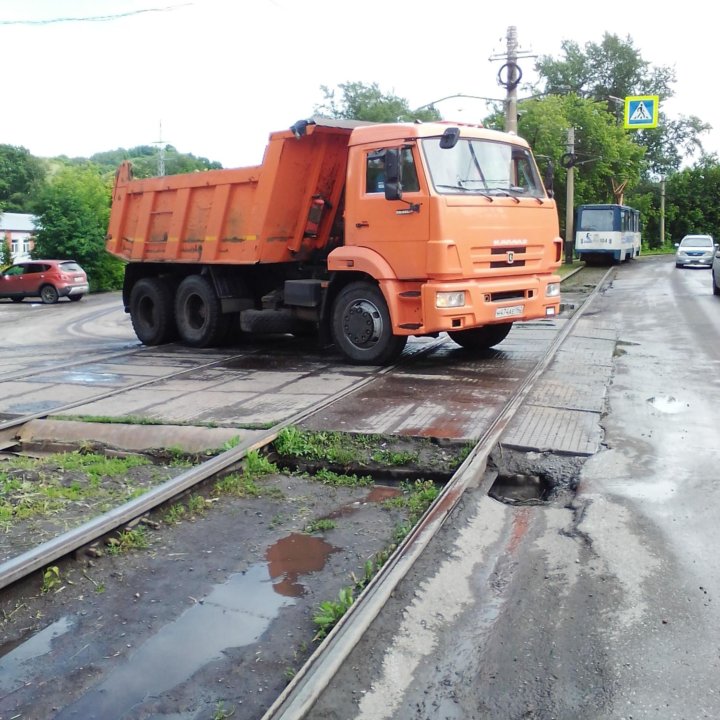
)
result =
(570, 201)
(509, 77)
(161, 154)
(511, 123)
(662, 212)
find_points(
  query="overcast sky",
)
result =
(215, 77)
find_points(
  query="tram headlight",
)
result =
(552, 290)
(450, 299)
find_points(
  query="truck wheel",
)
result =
(197, 312)
(151, 311)
(481, 338)
(361, 326)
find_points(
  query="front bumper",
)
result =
(486, 303)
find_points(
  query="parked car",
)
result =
(48, 280)
(695, 250)
(716, 272)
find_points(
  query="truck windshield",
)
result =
(482, 167)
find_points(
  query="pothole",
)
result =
(520, 489)
(533, 478)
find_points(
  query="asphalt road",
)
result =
(597, 606)
(604, 606)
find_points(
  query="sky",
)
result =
(215, 77)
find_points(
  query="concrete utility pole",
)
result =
(662, 212)
(161, 154)
(513, 78)
(509, 77)
(570, 202)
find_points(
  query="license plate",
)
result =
(511, 311)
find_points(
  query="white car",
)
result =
(695, 250)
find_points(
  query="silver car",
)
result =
(695, 250)
(716, 272)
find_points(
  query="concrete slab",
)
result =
(132, 437)
(544, 429)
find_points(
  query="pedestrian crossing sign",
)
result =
(641, 111)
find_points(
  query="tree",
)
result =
(604, 152)
(145, 161)
(612, 70)
(359, 101)
(21, 175)
(692, 205)
(73, 211)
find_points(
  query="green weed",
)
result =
(320, 525)
(51, 579)
(330, 611)
(328, 477)
(388, 457)
(134, 539)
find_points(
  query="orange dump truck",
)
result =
(367, 233)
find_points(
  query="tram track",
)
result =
(318, 671)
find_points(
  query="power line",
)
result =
(95, 18)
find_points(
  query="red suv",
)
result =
(47, 279)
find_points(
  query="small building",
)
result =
(16, 231)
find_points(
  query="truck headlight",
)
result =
(450, 299)
(552, 290)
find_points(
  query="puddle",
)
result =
(14, 661)
(519, 489)
(294, 555)
(81, 377)
(233, 614)
(380, 493)
(668, 404)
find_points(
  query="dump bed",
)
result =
(276, 212)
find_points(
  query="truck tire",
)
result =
(151, 311)
(361, 326)
(481, 338)
(197, 313)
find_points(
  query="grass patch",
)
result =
(328, 477)
(135, 539)
(320, 525)
(244, 484)
(33, 487)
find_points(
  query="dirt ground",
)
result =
(214, 617)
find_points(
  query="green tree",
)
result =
(72, 212)
(360, 101)
(613, 70)
(605, 154)
(691, 201)
(5, 253)
(21, 176)
(145, 160)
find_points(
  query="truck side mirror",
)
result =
(393, 175)
(449, 138)
(549, 179)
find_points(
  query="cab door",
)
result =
(398, 230)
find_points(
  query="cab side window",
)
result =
(375, 172)
(409, 172)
